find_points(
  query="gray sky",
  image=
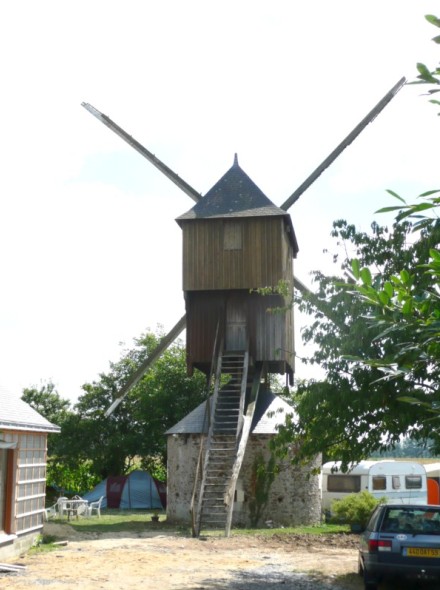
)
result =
(90, 250)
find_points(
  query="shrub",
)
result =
(355, 509)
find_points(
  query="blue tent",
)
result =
(137, 490)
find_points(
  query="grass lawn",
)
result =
(140, 520)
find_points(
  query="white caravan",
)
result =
(398, 481)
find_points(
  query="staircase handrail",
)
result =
(218, 344)
(218, 373)
(241, 446)
(243, 388)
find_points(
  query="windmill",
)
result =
(235, 243)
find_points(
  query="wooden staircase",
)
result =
(226, 440)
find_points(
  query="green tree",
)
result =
(405, 304)
(426, 75)
(46, 400)
(406, 310)
(353, 412)
(135, 431)
(378, 346)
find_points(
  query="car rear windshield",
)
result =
(415, 520)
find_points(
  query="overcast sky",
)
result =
(90, 250)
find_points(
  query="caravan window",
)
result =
(396, 482)
(379, 482)
(343, 483)
(413, 482)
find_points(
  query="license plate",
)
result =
(421, 552)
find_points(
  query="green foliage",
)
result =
(43, 544)
(409, 315)
(135, 432)
(375, 326)
(262, 478)
(426, 75)
(47, 401)
(352, 413)
(282, 288)
(282, 292)
(354, 508)
(139, 521)
(73, 479)
(155, 467)
(74, 475)
(91, 446)
(405, 304)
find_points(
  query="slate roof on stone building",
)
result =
(269, 412)
(15, 414)
(235, 195)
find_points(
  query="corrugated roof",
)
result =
(271, 411)
(236, 195)
(15, 414)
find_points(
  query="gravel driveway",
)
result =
(124, 561)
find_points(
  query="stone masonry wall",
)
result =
(183, 455)
(294, 496)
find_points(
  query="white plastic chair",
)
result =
(83, 508)
(50, 512)
(95, 506)
(61, 502)
(75, 506)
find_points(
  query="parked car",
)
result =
(400, 541)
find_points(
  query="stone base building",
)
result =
(268, 491)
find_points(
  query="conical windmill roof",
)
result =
(235, 195)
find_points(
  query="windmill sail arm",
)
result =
(184, 186)
(148, 362)
(341, 147)
(302, 288)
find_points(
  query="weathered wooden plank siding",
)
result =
(271, 336)
(203, 311)
(274, 331)
(261, 261)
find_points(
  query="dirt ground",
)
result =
(169, 562)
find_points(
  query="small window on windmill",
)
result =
(233, 235)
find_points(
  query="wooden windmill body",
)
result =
(236, 242)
